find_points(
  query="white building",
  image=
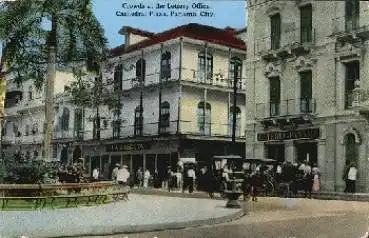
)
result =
(190, 67)
(307, 74)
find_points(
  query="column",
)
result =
(121, 159)
(289, 151)
(131, 164)
(156, 161)
(144, 162)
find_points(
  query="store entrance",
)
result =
(276, 152)
(307, 152)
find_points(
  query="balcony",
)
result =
(223, 130)
(350, 30)
(63, 135)
(285, 110)
(292, 42)
(219, 79)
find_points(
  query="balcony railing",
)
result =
(349, 99)
(220, 79)
(290, 107)
(344, 25)
(288, 38)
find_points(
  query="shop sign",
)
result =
(311, 133)
(119, 147)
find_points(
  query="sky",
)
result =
(226, 13)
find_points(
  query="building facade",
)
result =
(306, 83)
(177, 101)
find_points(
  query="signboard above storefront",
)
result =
(310, 133)
(119, 147)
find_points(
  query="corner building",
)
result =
(306, 85)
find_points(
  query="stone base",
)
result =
(233, 204)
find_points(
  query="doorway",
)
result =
(276, 152)
(307, 151)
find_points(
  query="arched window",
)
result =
(235, 71)
(204, 67)
(238, 121)
(204, 118)
(165, 66)
(351, 148)
(118, 77)
(65, 119)
(138, 121)
(30, 93)
(164, 120)
(141, 70)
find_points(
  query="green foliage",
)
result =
(79, 36)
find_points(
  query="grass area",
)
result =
(59, 203)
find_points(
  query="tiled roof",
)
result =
(136, 31)
(195, 31)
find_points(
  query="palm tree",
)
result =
(32, 52)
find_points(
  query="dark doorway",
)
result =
(307, 151)
(77, 153)
(275, 151)
(95, 162)
(64, 156)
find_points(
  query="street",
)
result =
(284, 218)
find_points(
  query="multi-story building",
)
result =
(177, 101)
(307, 73)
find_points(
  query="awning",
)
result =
(188, 160)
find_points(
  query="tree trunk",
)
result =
(49, 91)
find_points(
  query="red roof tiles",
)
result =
(195, 31)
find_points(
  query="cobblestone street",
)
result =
(283, 218)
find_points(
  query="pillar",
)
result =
(156, 161)
(131, 164)
(144, 162)
(289, 151)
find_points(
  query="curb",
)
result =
(116, 230)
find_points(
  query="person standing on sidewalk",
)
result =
(351, 178)
(191, 179)
(316, 179)
(146, 178)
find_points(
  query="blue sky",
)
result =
(227, 13)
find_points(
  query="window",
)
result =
(204, 118)
(78, 123)
(30, 93)
(140, 70)
(235, 71)
(96, 128)
(65, 120)
(306, 102)
(352, 74)
(351, 148)
(105, 124)
(204, 67)
(164, 119)
(118, 77)
(16, 130)
(165, 65)
(352, 14)
(275, 33)
(306, 24)
(35, 129)
(138, 127)
(27, 130)
(275, 96)
(238, 121)
(116, 124)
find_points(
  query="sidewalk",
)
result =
(362, 197)
(140, 214)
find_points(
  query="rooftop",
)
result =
(225, 37)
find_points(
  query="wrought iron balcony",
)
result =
(291, 41)
(284, 108)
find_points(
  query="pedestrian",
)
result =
(351, 178)
(122, 178)
(95, 174)
(191, 179)
(146, 178)
(139, 176)
(179, 178)
(209, 183)
(115, 172)
(316, 180)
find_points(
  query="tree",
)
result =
(95, 92)
(33, 52)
